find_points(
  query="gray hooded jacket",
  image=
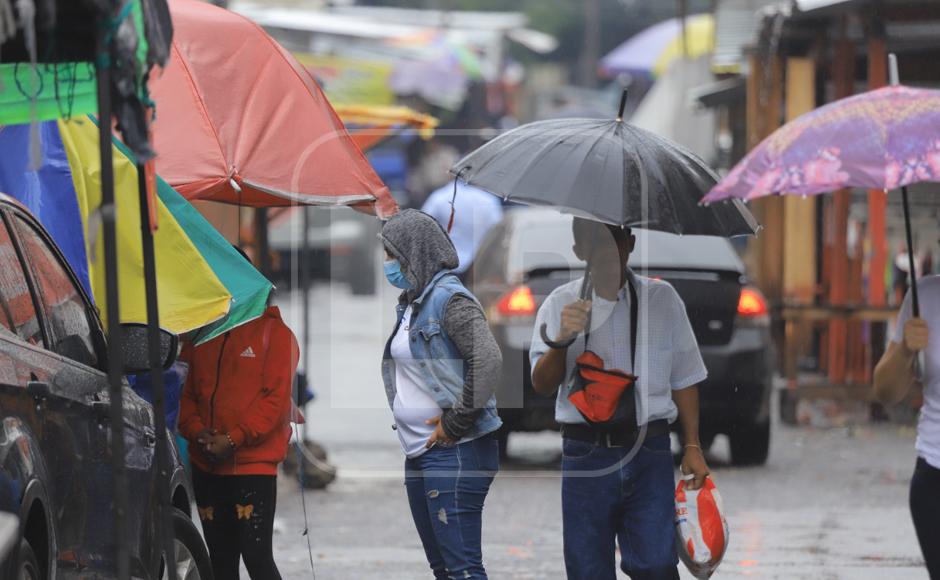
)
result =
(423, 249)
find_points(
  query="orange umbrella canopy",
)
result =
(239, 120)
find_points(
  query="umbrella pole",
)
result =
(165, 525)
(305, 292)
(112, 305)
(912, 275)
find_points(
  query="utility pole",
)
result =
(261, 242)
(683, 15)
(591, 49)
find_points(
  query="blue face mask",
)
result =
(395, 276)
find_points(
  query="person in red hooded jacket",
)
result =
(235, 413)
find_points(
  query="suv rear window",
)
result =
(63, 304)
(18, 316)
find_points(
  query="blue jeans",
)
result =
(633, 503)
(446, 489)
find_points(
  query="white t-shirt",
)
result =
(667, 355)
(928, 426)
(413, 407)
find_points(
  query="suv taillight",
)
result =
(752, 304)
(517, 302)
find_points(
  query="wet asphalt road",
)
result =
(830, 504)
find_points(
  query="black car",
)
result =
(55, 460)
(529, 254)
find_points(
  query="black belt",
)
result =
(613, 437)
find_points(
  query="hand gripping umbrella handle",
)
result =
(586, 288)
(552, 343)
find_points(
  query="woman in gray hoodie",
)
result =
(440, 369)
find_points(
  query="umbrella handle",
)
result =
(587, 286)
(552, 343)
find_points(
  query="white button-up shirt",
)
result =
(667, 355)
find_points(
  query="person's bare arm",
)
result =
(894, 375)
(693, 459)
(549, 372)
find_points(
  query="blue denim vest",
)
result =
(446, 372)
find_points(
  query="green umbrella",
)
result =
(248, 287)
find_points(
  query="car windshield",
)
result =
(544, 240)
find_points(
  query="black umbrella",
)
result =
(607, 171)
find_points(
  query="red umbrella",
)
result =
(239, 120)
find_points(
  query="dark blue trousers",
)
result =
(608, 495)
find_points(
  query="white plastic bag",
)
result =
(701, 528)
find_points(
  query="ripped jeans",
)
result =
(446, 489)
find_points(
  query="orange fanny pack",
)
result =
(606, 397)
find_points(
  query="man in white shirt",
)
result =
(618, 482)
(475, 212)
(893, 379)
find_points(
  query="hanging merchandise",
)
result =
(48, 59)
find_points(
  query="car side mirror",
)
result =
(74, 347)
(136, 351)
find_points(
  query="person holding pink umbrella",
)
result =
(895, 376)
(883, 139)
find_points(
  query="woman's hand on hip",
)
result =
(439, 437)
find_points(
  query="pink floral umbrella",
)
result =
(883, 139)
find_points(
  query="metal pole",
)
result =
(112, 305)
(912, 275)
(893, 76)
(261, 241)
(683, 21)
(305, 292)
(915, 302)
(165, 518)
(590, 50)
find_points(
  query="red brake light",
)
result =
(518, 302)
(752, 303)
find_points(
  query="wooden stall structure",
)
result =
(822, 261)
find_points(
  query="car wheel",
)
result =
(28, 568)
(750, 443)
(192, 558)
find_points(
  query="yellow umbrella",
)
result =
(699, 41)
(190, 294)
(652, 50)
(369, 125)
